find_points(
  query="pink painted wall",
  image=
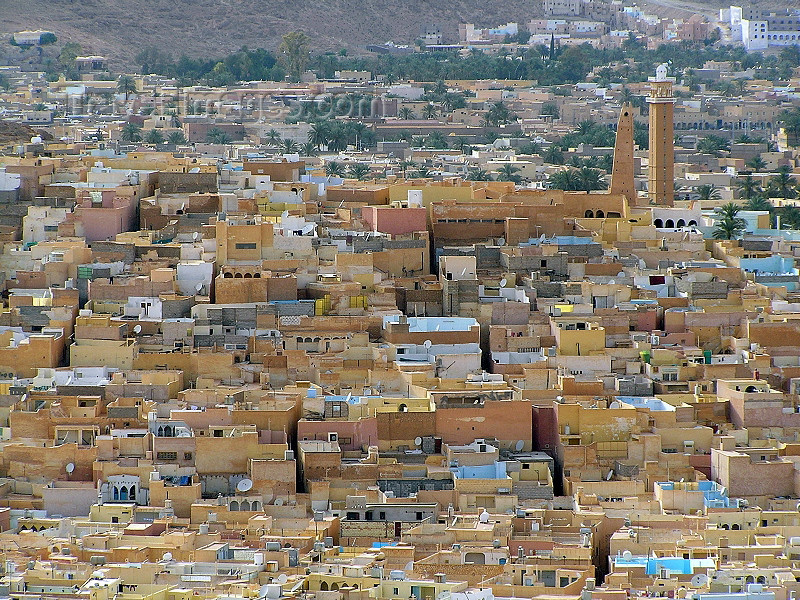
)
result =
(395, 221)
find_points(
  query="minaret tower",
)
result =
(622, 180)
(661, 173)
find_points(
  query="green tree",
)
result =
(47, 38)
(319, 133)
(406, 113)
(289, 146)
(498, 114)
(154, 136)
(405, 165)
(591, 179)
(748, 187)
(713, 144)
(294, 50)
(567, 180)
(758, 203)
(429, 111)
(176, 137)
(756, 163)
(273, 137)
(783, 184)
(334, 169)
(728, 224)
(308, 149)
(358, 171)
(508, 172)
(553, 155)
(126, 85)
(216, 136)
(707, 191)
(478, 174)
(791, 123)
(550, 109)
(131, 132)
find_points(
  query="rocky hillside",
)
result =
(120, 28)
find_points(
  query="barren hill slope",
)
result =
(119, 29)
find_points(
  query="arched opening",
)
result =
(681, 223)
(257, 275)
(123, 493)
(476, 558)
(323, 587)
(256, 505)
(402, 408)
(749, 579)
(750, 389)
(693, 223)
(669, 224)
(334, 587)
(244, 505)
(132, 493)
(658, 223)
(724, 526)
(600, 214)
(115, 493)
(160, 431)
(248, 276)
(234, 505)
(736, 527)
(167, 431)
(589, 214)
(761, 579)
(228, 275)
(237, 276)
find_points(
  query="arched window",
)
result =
(244, 505)
(228, 275)
(402, 408)
(761, 579)
(123, 493)
(234, 505)
(335, 587)
(670, 224)
(257, 276)
(681, 223)
(248, 276)
(658, 223)
(237, 276)
(115, 494)
(750, 389)
(736, 527)
(323, 587)
(692, 223)
(132, 494)
(600, 214)
(589, 214)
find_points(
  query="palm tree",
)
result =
(294, 52)
(429, 111)
(756, 163)
(216, 136)
(591, 179)
(126, 85)
(790, 215)
(748, 187)
(319, 134)
(508, 172)
(707, 191)
(358, 171)
(422, 173)
(758, 203)
(567, 180)
(273, 137)
(176, 137)
(308, 149)
(289, 146)
(783, 184)
(478, 174)
(553, 155)
(334, 169)
(405, 165)
(131, 133)
(729, 224)
(154, 136)
(406, 113)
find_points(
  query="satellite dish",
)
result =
(501, 242)
(137, 329)
(503, 282)
(278, 502)
(196, 235)
(245, 485)
(282, 578)
(519, 445)
(427, 343)
(263, 590)
(284, 214)
(627, 555)
(70, 467)
(699, 580)
(484, 516)
(198, 287)
(610, 475)
(167, 556)
(417, 441)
